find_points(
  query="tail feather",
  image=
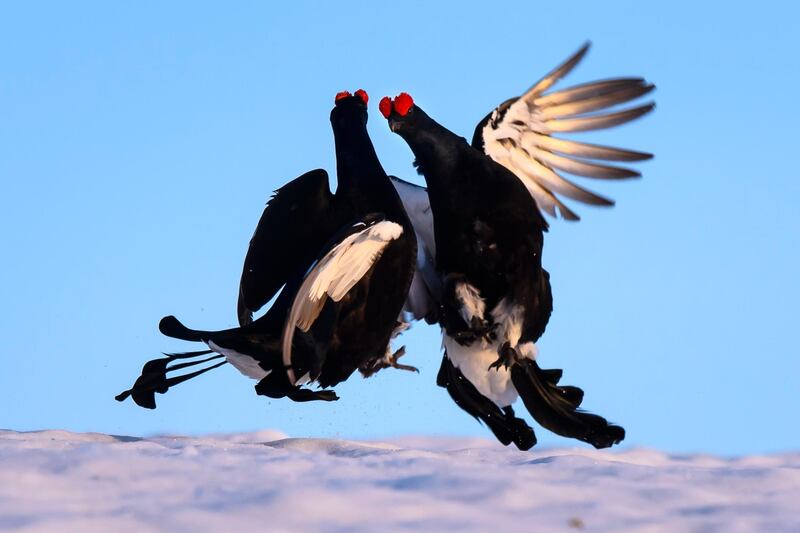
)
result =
(555, 408)
(571, 394)
(505, 426)
(188, 355)
(153, 378)
(172, 327)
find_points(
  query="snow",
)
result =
(62, 481)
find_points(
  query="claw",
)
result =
(482, 328)
(388, 361)
(464, 338)
(478, 329)
(507, 357)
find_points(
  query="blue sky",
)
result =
(139, 142)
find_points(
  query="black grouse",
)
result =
(480, 273)
(344, 262)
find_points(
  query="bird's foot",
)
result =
(391, 361)
(507, 357)
(388, 361)
(484, 329)
(479, 329)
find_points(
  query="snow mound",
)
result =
(62, 481)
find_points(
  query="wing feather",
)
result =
(583, 168)
(519, 135)
(588, 90)
(557, 73)
(547, 177)
(596, 103)
(334, 274)
(425, 291)
(288, 237)
(545, 199)
(597, 122)
(581, 149)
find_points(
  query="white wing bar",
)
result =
(334, 275)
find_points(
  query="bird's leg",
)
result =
(397, 354)
(507, 357)
(463, 309)
(483, 329)
(476, 329)
(387, 361)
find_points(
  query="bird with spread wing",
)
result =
(480, 228)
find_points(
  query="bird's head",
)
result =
(403, 115)
(350, 109)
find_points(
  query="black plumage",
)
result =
(502, 422)
(303, 226)
(495, 294)
(479, 267)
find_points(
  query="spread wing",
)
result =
(425, 292)
(520, 135)
(346, 261)
(289, 235)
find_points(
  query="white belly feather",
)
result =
(474, 360)
(243, 363)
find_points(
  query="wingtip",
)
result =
(552, 77)
(645, 109)
(629, 174)
(568, 215)
(577, 57)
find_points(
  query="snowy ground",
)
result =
(60, 481)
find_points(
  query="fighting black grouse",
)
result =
(342, 262)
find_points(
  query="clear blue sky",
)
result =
(139, 142)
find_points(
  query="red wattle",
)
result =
(385, 106)
(402, 103)
(361, 93)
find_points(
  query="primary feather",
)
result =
(518, 134)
